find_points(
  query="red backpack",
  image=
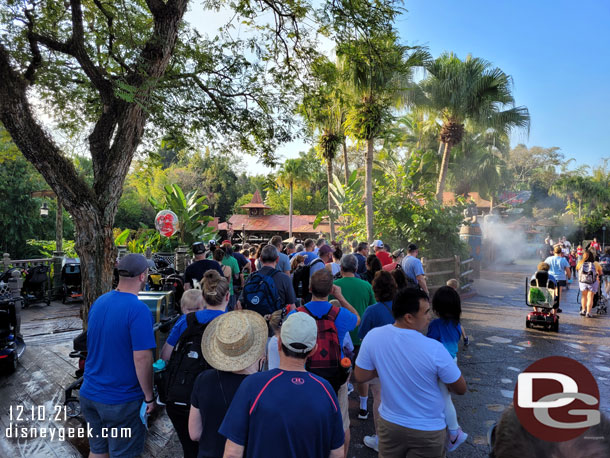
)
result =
(326, 361)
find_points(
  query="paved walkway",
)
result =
(500, 348)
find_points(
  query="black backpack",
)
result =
(604, 261)
(300, 279)
(185, 363)
(260, 294)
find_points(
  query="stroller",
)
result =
(541, 294)
(36, 285)
(71, 280)
(12, 345)
(599, 301)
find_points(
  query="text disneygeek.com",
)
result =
(16, 431)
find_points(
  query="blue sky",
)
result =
(558, 53)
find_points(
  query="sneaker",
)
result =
(559, 310)
(582, 312)
(350, 388)
(466, 341)
(363, 414)
(372, 442)
(455, 440)
(589, 315)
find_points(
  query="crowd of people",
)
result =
(272, 340)
(589, 266)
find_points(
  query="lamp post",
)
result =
(44, 210)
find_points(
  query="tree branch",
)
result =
(111, 37)
(33, 141)
(30, 72)
(77, 44)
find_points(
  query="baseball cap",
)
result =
(132, 265)
(198, 248)
(398, 252)
(299, 332)
(226, 242)
(324, 249)
(378, 244)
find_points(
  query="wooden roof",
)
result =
(256, 202)
(275, 223)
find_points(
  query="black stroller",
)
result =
(71, 280)
(12, 345)
(36, 285)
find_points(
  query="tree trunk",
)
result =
(368, 199)
(290, 212)
(97, 253)
(345, 163)
(491, 205)
(112, 141)
(329, 174)
(442, 176)
(59, 226)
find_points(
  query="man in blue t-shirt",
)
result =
(309, 246)
(413, 268)
(560, 269)
(286, 411)
(118, 373)
(362, 251)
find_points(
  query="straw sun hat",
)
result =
(234, 340)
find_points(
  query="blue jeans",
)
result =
(120, 424)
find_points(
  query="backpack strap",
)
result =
(332, 313)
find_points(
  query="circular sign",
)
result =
(557, 399)
(166, 222)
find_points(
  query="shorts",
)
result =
(593, 287)
(561, 283)
(397, 441)
(119, 420)
(344, 405)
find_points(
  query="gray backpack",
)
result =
(587, 273)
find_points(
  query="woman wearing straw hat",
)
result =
(234, 345)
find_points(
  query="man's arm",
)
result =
(458, 387)
(421, 279)
(232, 450)
(143, 361)
(336, 292)
(336, 453)
(363, 375)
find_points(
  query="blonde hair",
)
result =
(214, 287)
(453, 283)
(191, 301)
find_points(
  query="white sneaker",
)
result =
(455, 440)
(372, 442)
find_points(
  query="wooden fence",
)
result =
(438, 271)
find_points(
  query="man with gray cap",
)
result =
(118, 373)
(266, 415)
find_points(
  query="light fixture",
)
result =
(44, 210)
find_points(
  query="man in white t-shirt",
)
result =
(409, 365)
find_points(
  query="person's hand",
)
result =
(336, 291)
(238, 305)
(150, 408)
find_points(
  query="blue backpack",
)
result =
(260, 294)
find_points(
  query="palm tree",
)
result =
(378, 72)
(292, 173)
(323, 109)
(470, 89)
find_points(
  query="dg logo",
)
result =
(557, 399)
